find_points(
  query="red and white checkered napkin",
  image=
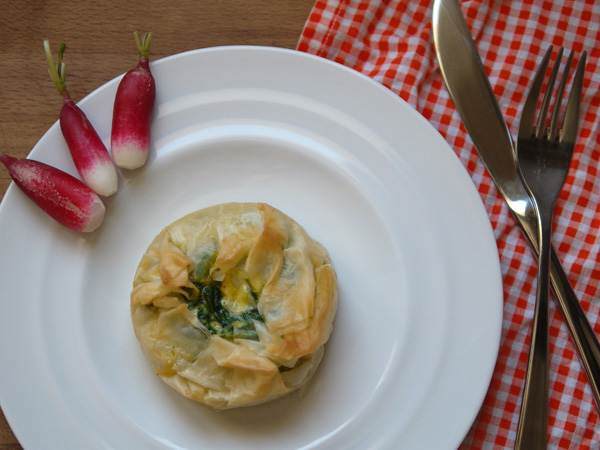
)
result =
(391, 41)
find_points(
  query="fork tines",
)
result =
(553, 131)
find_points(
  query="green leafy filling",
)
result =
(217, 319)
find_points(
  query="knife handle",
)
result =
(581, 331)
(568, 304)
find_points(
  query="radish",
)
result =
(62, 196)
(89, 153)
(134, 102)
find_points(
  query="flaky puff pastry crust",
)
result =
(297, 297)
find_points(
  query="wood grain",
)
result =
(100, 45)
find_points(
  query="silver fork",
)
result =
(544, 154)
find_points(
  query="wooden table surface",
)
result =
(100, 47)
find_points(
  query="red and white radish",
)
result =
(62, 196)
(134, 102)
(89, 153)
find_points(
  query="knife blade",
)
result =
(472, 94)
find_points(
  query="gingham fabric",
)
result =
(391, 41)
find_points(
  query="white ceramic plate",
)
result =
(418, 326)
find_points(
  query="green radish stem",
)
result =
(143, 46)
(56, 69)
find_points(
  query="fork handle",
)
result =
(533, 421)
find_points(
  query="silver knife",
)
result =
(470, 89)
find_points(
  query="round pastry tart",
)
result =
(232, 304)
